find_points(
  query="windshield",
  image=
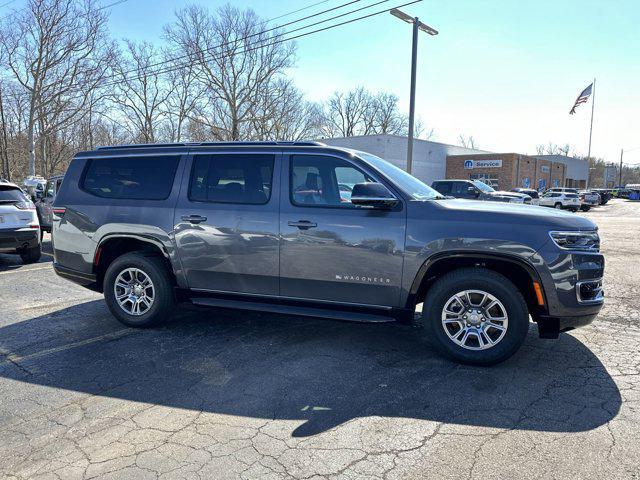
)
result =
(406, 182)
(483, 186)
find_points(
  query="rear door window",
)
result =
(232, 178)
(139, 178)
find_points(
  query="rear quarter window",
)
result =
(136, 178)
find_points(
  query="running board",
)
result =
(293, 310)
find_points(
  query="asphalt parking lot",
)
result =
(221, 394)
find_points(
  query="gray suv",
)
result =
(306, 229)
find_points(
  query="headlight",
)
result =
(585, 241)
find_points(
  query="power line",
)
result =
(289, 13)
(258, 45)
(277, 41)
(238, 40)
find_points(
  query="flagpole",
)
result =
(593, 104)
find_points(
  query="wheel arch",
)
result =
(114, 245)
(519, 271)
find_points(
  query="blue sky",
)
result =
(506, 72)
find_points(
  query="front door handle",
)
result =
(303, 224)
(193, 219)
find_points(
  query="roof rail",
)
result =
(214, 144)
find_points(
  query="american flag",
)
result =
(582, 98)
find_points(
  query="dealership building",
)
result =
(435, 161)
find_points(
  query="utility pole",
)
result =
(620, 178)
(417, 25)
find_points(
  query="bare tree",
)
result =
(349, 114)
(467, 141)
(236, 61)
(185, 91)
(57, 51)
(141, 92)
(283, 114)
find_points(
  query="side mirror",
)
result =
(373, 195)
(473, 191)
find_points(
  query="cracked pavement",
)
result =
(221, 394)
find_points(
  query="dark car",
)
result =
(534, 194)
(268, 226)
(477, 190)
(44, 202)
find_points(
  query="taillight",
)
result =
(59, 211)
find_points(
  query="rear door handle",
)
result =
(303, 224)
(194, 218)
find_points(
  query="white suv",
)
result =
(569, 201)
(19, 226)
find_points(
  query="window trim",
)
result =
(193, 167)
(366, 171)
(89, 160)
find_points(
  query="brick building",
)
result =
(505, 171)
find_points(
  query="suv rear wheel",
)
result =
(558, 205)
(475, 316)
(138, 290)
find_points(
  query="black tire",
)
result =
(585, 208)
(163, 295)
(558, 206)
(31, 255)
(476, 279)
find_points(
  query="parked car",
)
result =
(560, 200)
(528, 191)
(45, 200)
(19, 227)
(605, 194)
(263, 226)
(588, 199)
(477, 190)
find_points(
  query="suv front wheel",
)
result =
(138, 289)
(475, 316)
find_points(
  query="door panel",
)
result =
(330, 249)
(226, 222)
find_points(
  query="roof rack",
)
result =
(214, 144)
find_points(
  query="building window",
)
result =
(489, 178)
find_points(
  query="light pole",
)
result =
(417, 25)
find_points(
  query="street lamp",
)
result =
(417, 25)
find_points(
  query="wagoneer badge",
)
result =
(362, 278)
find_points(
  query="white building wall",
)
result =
(577, 168)
(429, 158)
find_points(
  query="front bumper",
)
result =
(572, 283)
(15, 239)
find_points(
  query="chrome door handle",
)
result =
(303, 224)
(193, 218)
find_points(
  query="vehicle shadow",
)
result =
(322, 372)
(10, 261)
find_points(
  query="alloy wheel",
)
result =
(134, 291)
(474, 320)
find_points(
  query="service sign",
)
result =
(471, 164)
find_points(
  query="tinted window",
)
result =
(229, 178)
(11, 195)
(140, 178)
(442, 187)
(320, 180)
(460, 188)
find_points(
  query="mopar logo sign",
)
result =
(471, 164)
